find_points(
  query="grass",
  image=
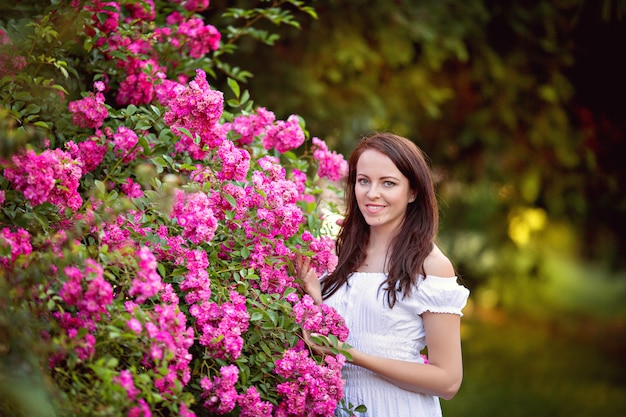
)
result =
(515, 366)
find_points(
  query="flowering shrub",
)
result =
(148, 223)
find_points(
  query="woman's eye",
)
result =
(389, 184)
(362, 181)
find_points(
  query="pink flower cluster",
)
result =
(222, 205)
(142, 409)
(198, 37)
(132, 189)
(87, 294)
(170, 339)
(196, 108)
(106, 16)
(90, 153)
(324, 258)
(284, 135)
(125, 379)
(148, 282)
(310, 389)
(279, 212)
(331, 165)
(275, 278)
(322, 319)
(221, 326)
(138, 87)
(221, 397)
(251, 404)
(90, 111)
(299, 178)
(196, 284)
(125, 144)
(193, 213)
(52, 176)
(194, 5)
(220, 394)
(18, 242)
(143, 10)
(249, 127)
(114, 234)
(235, 162)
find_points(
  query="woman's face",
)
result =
(382, 191)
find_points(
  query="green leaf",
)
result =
(32, 109)
(231, 200)
(245, 97)
(234, 86)
(273, 316)
(59, 88)
(184, 131)
(45, 125)
(266, 348)
(256, 316)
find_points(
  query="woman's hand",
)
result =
(325, 348)
(317, 348)
(309, 282)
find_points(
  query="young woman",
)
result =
(396, 290)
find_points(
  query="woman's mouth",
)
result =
(374, 208)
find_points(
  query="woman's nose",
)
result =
(373, 192)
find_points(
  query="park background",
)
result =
(519, 106)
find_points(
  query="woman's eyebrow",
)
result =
(385, 177)
(390, 177)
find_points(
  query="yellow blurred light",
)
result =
(524, 221)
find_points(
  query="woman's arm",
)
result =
(442, 375)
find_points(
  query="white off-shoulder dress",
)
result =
(394, 333)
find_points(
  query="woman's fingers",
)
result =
(302, 264)
(307, 339)
(307, 276)
(317, 348)
(303, 268)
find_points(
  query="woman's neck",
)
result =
(377, 253)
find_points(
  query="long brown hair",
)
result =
(415, 240)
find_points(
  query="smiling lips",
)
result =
(374, 208)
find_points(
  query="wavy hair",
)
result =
(415, 239)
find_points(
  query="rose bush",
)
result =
(148, 221)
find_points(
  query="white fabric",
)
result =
(394, 333)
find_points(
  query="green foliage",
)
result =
(495, 92)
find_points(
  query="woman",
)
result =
(396, 290)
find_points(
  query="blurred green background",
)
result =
(520, 107)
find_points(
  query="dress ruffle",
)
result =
(440, 295)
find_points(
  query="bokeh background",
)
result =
(520, 107)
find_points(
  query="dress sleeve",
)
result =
(441, 295)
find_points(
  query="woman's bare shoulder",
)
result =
(437, 264)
